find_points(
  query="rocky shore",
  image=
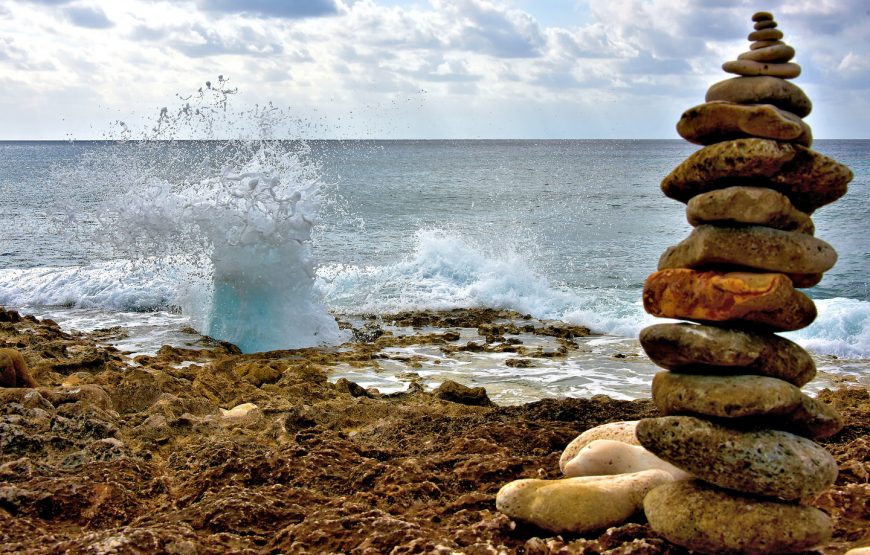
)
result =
(206, 450)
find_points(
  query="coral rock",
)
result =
(13, 370)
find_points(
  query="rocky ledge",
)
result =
(207, 450)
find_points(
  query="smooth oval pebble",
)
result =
(751, 68)
(761, 16)
(699, 349)
(772, 463)
(765, 34)
(748, 206)
(717, 121)
(764, 43)
(764, 24)
(618, 431)
(604, 457)
(578, 505)
(706, 519)
(723, 396)
(762, 90)
(779, 53)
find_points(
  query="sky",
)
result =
(416, 69)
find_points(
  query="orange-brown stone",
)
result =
(767, 301)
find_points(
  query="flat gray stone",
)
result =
(763, 462)
(705, 519)
(723, 396)
(699, 349)
(751, 247)
(748, 206)
(762, 90)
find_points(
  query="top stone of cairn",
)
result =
(767, 55)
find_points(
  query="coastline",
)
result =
(209, 450)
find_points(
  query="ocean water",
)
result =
(260, 243)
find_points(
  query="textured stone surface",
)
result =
(717, 121)
(13, 370)
(698, 349)
(764, 462)
(708, 520)
(604, 457)
(812, 418)
(618, 431)
(762, 90)
(750, 247)
(580, 504)
(807, 178)
(748, 206)
(750, 68)
(768, 301)
(776, 54)
(723, 396)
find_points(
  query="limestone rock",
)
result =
(755, 300)
(764, 462)
(696, 349)
(457, 393)
(762, 90)
(723, 396)
(748, 206)
(706, 519)
(617, 431)
(776, 54)
(717, 121)
(750, 247)
(605, 457)
(13, 370)
(807, 178)
(765, 34)
(579, 504)
(750, 68)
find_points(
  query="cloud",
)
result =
(290, 9)
(200, 41)
(89, 18)
(485, 27)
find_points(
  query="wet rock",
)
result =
(747, 206)
(607, 457)
(708, 520)
(766, 301)
(751, 247)
(352, 388)
(764, 462)
(581, 504)
(807, 178)
(458, 393)
(696, 349)
(762, 90)
(14, 371)
(617, 431)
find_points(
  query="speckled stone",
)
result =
(777, 54)
(706, 519)
(723, 396)
(751, 68)
(578, 505)
(765, 462)
(605, 457)
(762, 90)
(748, 206)
(714, 122)
(618, 431)
(762, 301)
(698, 349)
(750, 247)
(765, 34)
(807, 178)
(812, 418)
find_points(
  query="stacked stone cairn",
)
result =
(731, 464)
(735, 418)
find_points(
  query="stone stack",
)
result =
(734, 416)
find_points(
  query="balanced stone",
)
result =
(750, 247)
(764, 24)
(579, 504)
(723, 396)
(812, 418)
(765, 301)
(764, 462)
(748, 206)
(751, 68)
(807, 178)
(604, 457)
(762, 90)
(771, 54)
(762, 16)
(766, 34)
(705, 519)
(717, 121)
(764, 44)
(697, 349)
(618, 431)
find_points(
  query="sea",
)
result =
(265, 243)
